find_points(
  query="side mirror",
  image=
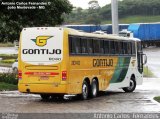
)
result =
(144, 59)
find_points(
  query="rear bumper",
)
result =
(42, 88)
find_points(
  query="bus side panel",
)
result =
(127, 68)
(82, 67)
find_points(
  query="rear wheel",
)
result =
(85, 90)
(132, 85)
(94, 88)
(45, 96)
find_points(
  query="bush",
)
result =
(9, 61)
(157, 99)
(10, 78)
(10, 56)
(7, 87)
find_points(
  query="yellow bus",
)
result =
(54, 61)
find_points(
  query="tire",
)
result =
(85, 90)
(45, 96)
(132, 85)
(94, 88)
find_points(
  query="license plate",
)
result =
(44, 77)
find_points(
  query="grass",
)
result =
(147, 72)
(8, 87)
(135, 19)
(9, 44)
(157, 99)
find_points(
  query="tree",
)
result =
(93, 4)
(12, 21)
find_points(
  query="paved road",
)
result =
(111, 101)
(153, 63)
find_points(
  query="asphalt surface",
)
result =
(141, 100)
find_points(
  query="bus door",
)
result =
(140, 57)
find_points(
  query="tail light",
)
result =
(19, 75)
(64, 75)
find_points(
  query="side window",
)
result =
(139, 46)
(74, 45)
(96, 46)
(90, 46)
(129, 47)
(121, 51)
(84, 45)
(101, 47)
(125, 50)
(112, 47)
(116, 47)
(133, 48)
(106, 47)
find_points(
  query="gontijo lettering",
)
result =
(41, 51)
(102, 62)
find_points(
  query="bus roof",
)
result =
(85, 34)
(107, 36)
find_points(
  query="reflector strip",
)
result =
(42, 73)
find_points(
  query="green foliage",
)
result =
(147, 72)
(93, 17)
(135, 19)
(9, 78)
(8, 56)
(126, 8)
(8, 61)
(6, 86)
(12, 21)
(157, 99)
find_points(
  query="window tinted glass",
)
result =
(90, 46)
(112, 47)
(74, 44)
(125, 48)
(84, 45)
(133, 48)
(129, 47)
(96, 46)
(116, 47)
(106, 47)
(101, 47)
(121, 45)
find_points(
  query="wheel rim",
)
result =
(94, 89)
(131, 86)
(85, 91)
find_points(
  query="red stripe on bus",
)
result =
(42, 73)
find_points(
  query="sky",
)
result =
(84, 3)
